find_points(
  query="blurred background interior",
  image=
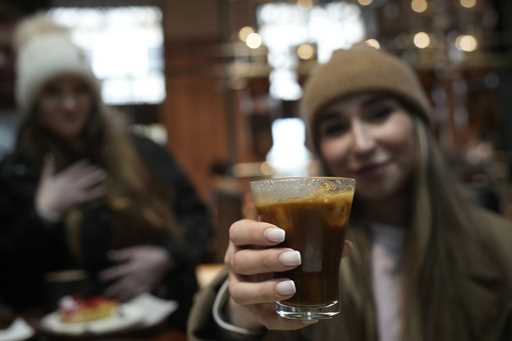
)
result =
(218, 81)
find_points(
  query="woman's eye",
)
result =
(378, 113)
(333, 129)
(81, 90)
(51, 91)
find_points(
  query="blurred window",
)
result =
(284, 27)
(125, 48)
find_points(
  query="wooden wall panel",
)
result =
(194, 111)
(202, 116)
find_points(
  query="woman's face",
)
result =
(64, 106)
(372, 139)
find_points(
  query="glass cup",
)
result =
(314, 212)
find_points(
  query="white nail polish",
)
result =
(290, 258)
(286, 288)
(275, 235)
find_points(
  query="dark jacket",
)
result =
(29, 247)
(486, 289)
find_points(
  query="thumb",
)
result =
(48, 167)
(122, 255)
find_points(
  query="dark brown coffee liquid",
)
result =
(316, 228)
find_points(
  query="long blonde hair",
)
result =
(440, 234)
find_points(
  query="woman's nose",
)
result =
(362, 140)
(69, 102)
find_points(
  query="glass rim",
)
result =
(283, 189)
(291, 178)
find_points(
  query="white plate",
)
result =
(19, 330)
(143, 311)
(126, 317)
(155, 309)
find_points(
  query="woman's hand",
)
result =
(253, 256)
(140, 269)
(79, 183)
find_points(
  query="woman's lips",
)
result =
(371, 170)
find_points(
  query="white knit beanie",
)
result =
(45, 51)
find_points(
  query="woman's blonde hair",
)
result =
(441, 232)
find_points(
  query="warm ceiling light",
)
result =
(421, 40)
(468, 3)
(253, 40)
(244, 32)
(419, 6)
(466, 43)
(373, 43)
(305, 51)
(365, 2)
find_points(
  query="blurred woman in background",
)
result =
(81, 191)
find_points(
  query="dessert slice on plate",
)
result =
(93, 315)
(79, 310)
(99, 315)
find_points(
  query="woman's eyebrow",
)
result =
(327, 116)
(375, 101)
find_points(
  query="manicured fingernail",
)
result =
(274, 234)
(286, 288)
(290, 258)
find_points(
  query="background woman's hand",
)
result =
(79, 183)
(140, 269)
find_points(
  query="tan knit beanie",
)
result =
(362, 69)
(45, 50)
